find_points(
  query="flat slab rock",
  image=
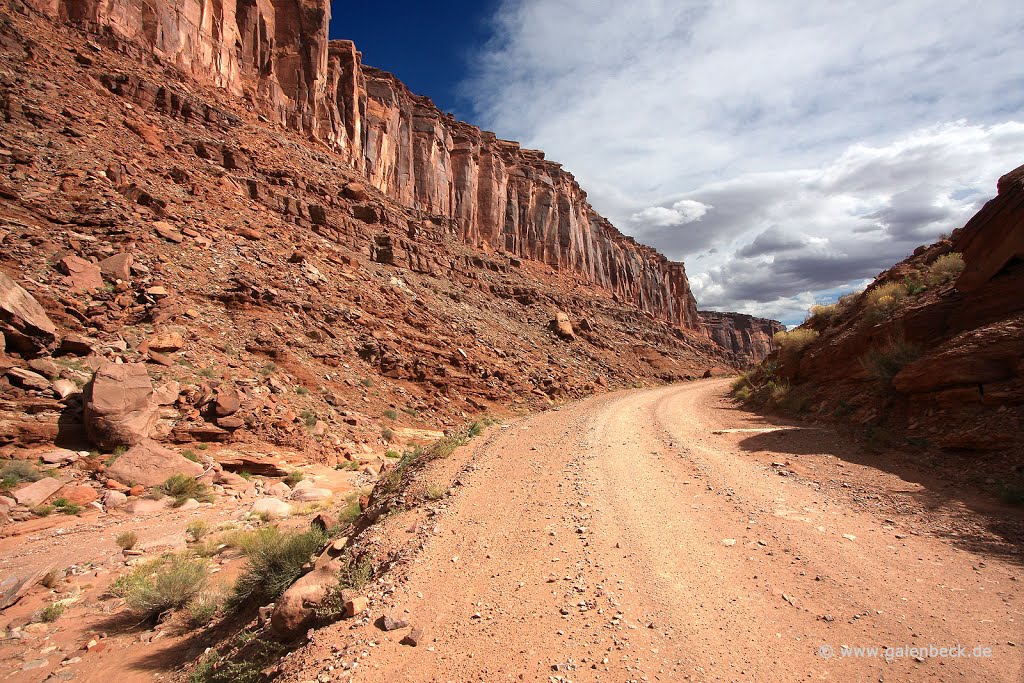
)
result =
(37, 492)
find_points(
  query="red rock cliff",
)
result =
(747, 339)
(276, 54)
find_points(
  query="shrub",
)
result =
(391, 414)
(884, 299)
(883, 363)
(825, 315)
(792, 343)
(435, 492)
(164, 584)
(126, 540)
(350, 513)
(66, 506)
(42, 510)
(181, 487)
(274, 561)
(197, 529)
(202, 609)
(366, 382)
(301, 390)
(17, 471)
(52, 612)
(945, 268)
(387, 433)
(392, 454)
(294, 477)
(190, 455)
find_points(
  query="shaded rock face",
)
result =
(23, 322)
(500, 197)
(747, 340)
(955, 350)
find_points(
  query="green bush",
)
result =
(66, 506)
(17, 471)
(391, 414)
(294, 477)
(161, 585)
(945, 268)
(181, 487)
(197, 530)
(884, 299)
(52, 612)
(202, 609)
(274, 560)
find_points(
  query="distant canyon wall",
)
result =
(276, 55)
(747, 339)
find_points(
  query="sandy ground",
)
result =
(630, 538)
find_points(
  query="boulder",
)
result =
(82, 275)
(562, 325)
(165, 341)
(227, 401)
(296, 609)
(59, 456)
(150, 464)
(113, 500)
(23, 321)
(144, 506)
(37, 492)
(272, 508)
(64, 388)
(310, 495)
(78, 494)
(119, 405)
(28, 379)
(117, 267)
(279, 490)
(44, 366)
(167, 393)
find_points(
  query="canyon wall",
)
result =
(276, 55)
(747, 339)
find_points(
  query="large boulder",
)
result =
(562, 325)
(150, 464)
(37, 492)
(23, 322)
(119, 406)
(295, 611)
(82, 275)
(271, 508)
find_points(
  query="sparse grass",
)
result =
(42, 510)
(181, 487)
(301, 390)
(268, 369)
(350, 513)
(351, 465)
(884, 362)
(387, 434)
(792, 343)
(197, 530)
(208, 372)
(366, 382)
(435, 491)
(355, 575)
(391, 414)
(309, 418)
(112, 458)
(293, 478)
(126, 540)
(392, 454)
(274, 560)
(162, 585)
(476, 428)
(190, 455)
(203, 608)
(17, 471)
(66, 506)
(52, 612)
(945, 268)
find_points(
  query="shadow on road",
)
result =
(942, 494)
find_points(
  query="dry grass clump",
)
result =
(126, 540)
(792, 343)
(181, 487)
(162, 585)
(944, 269)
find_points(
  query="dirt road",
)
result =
(627, 538)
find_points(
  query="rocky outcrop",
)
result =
(745, 338)
(928, 352)
(500, 197)
(24, 324)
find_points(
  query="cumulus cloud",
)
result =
(781, 149)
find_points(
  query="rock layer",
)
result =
(501, 197)
(745, 338)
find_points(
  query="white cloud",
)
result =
(776, 147)
(680, 213)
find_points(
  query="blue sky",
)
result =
(429, 46)
(784, 150)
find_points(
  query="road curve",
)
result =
(630, 538)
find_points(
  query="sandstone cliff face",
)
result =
(502, 198)
(747, 340)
